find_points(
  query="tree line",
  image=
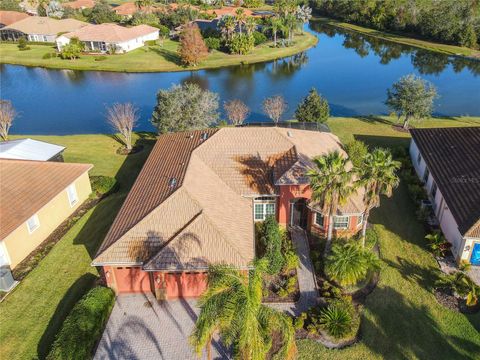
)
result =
(454, 22)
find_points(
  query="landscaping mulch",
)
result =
(273, 297)
(446, 298)
(135, 149)
(326, 340)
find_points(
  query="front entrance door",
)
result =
(475, 258)
(298, 213)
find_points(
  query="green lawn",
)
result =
(149, 58)
(32, 314)
(404, 39)
(401, 318)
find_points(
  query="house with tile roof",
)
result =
(10, 17)
(104, 37)
(39, 29)
(197, 199)
(35, 198)
(447, 160)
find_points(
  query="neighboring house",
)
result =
(10, 17)
(29, 149)
(127, 9)
(40, 29)
(105, 37)
(448, 162)
(197, 199)
(228, 10)
(80, 4)
(36, 197)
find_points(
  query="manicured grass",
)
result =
(401, 318)
(33, 313)
(404, 39)
(149, 58)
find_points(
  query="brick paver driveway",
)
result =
(140, 328)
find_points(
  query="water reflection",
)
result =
(425, 62)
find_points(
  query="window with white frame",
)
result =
(340, 222)
(263, 207)
(360, 220)
(72, 195)
(33, 223)
(319, 219)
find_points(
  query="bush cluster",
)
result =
(103, 185)
(83, 326)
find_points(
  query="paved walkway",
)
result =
(305, 273)
(474, 274)
(140, 328)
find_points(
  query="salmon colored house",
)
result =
(196, 201)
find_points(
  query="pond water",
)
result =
(352, 71)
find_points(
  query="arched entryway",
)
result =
(299, 213)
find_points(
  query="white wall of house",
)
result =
(122, 47)
(41, 38)
(461, 247)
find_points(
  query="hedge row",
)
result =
(83, 326)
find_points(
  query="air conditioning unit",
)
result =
(6, 279)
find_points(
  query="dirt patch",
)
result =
(446, 298)
(400, 128)
(124, 151)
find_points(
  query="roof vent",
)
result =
(172, 182)
(204, 136)
(289, 133)
(190, 136)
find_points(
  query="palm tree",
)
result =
(332, 184)
(240, 18)
(228, 26)
(232, 306)
(275, 26)
(348, 264)
(437, 243)
(378, 175)
(250, 25)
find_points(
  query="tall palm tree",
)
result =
(232, 306)
(240, 18)
(250, 25)
(332, 184)
(379, 176)
(275, 25)
(228, 26)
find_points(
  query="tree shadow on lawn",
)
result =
(73, 294)
(395, 328)
(168, 56)
(383, 141)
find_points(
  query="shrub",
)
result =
(103, 185)
(259, 38)
(83, 326)
(291, 261)
(101, 58)
(299, 321)
(417, 192)
(283, 293)
(253, 3)
(151, 42)
(356, 150)
(313, 108)
(49, 55)
(241, 44)
(22, 44)
(292, 285)
(212, 43)
(350, 263)
(271, 240)
(371, 238)
(339, 319)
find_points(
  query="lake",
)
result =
(351, 70)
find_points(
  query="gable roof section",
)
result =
(453, 157)
(80, 4)
(27, 186)
(42, 25)
(168, 160)
(29, 149)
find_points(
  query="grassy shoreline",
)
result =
(156, 58)
(404, 39)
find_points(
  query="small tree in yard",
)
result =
(72, 50)
(274, 107)
(236, 111)
(313, 108)
(123, 118)
(185, 107)
(192, 48)
(411, 96)
(7, 114)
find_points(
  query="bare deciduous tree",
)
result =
(123, 118)
(7, 114)
(237, 111)
(274, 107)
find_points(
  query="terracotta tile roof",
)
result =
(128, 8)
(45, 26)
(453, 157)
(110, 32)
(228, 10)
(10, 17)
(27, 186)
(207, 216)
(80, 4)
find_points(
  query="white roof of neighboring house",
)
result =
(29, 149)
(110, 32)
